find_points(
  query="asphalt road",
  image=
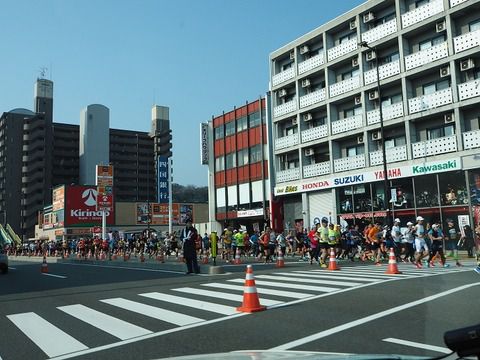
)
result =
(96, 312)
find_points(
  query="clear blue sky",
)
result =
(198, 57)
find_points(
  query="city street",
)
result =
(97, 312)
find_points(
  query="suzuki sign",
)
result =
(80, 207)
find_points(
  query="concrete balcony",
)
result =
(435, 146)
(389, 112)
(469, 89)
(385, 71)
(344, 86)
(456, 2)
(350, 123)
(285, 108)
(395, 154)
(312, 63)
(342, 49)
(426, 56)
(286, 141)
(349, 163)
(471, 139)
(421, 13)
(381, 31)
(314, 133)
(430, 101)
(288, 175)
(318, 169)
(283, 76)
(313, 98)
(466, 41)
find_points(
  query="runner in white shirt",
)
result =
(421, 248)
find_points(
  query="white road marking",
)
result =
(11, 268)
(56, 276)
(126, 267)
(50, 339)
(153, 312)
(197, 304)
(308, 274)
(289, 286)
(379, 272)
(115, 327)
(356, 274)
(309, 281)
(223, 295)
(418, 345)
(260, 290)
(349, 325)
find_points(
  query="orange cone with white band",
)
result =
(44, 268)
(251, 302)
(332, 264)
(280, 260)
(392, 264)
(237, 260)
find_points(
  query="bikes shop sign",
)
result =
(370, 176)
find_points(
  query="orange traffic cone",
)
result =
(251, 302)
(237, 260)
(44, 268)
(126, 257)
(160, 257)
(280, 261)
(205, 259)
(332, 264)
(392, 264)
(114, 256)
(180, 256)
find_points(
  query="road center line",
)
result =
(57, 276)
(418, 345)
(369, 318)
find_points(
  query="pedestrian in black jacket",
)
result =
(188, 236)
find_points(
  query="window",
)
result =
(345, 38)
(430, 88)
(352, 112)
(242, 124)
(419, 3)
(474, 25)
(220, 163)
(350, 74)
(354, 150)
(231, 161)
(426, 44)
(230, 128)
(441, 131)
(219, 133)
(242, 157)
(394, 99)
(388, 58)
(254, 119)
(255, 154)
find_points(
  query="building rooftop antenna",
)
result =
(43, 71)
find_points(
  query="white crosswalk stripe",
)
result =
(309, 281)
(260, 290)
(223, 295)
(324, 276)
(290, 286)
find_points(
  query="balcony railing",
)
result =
(435, 146)
(344, 86)
(342, 49)
(421, 13)
(283, 76)
(381, 31)
(286, 141)
(456, 2)
(350, 123)
(466, 41)
(385, 71)
(349, 163)
(315, 133)
(398, 153)
(312, 98)
(288, 175)
(469, 89)
(389, 112)
(318, 169)
(426, 56)
(312, 63)
(430, 101)
(471, 139)
(285, 108)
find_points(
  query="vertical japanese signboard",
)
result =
(104, 187)
(204, 143)
(162, 179)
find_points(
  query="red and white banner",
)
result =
(81, 207)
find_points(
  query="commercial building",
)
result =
(234, 146)
(326, 126)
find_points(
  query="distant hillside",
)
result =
(189, 193)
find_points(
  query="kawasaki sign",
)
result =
(370, 176)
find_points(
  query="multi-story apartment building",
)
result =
(326, 119)
(239, 187)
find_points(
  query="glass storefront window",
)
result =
(474, 180)
(453, 190)
(426, 191)
(378, 196)
(345, 199)
(362, 198)
(404, 191)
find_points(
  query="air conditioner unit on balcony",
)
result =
(304, 49)
(376, 135)
(309, 152)
(467, 64)
(445, 71)
(448, 118)
(360, 139)
(371, 55)
(370, 16)
(358, 100)
(292, 55)
(305, 83)
(294, 121)
(307, 117)
(440, 26)
(353, 25)
(355, 62)
(373, 95)
(282, 92)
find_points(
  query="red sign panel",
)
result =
(81, 207)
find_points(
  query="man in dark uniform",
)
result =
(188, 236)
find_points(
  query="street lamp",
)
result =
(382, 138)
